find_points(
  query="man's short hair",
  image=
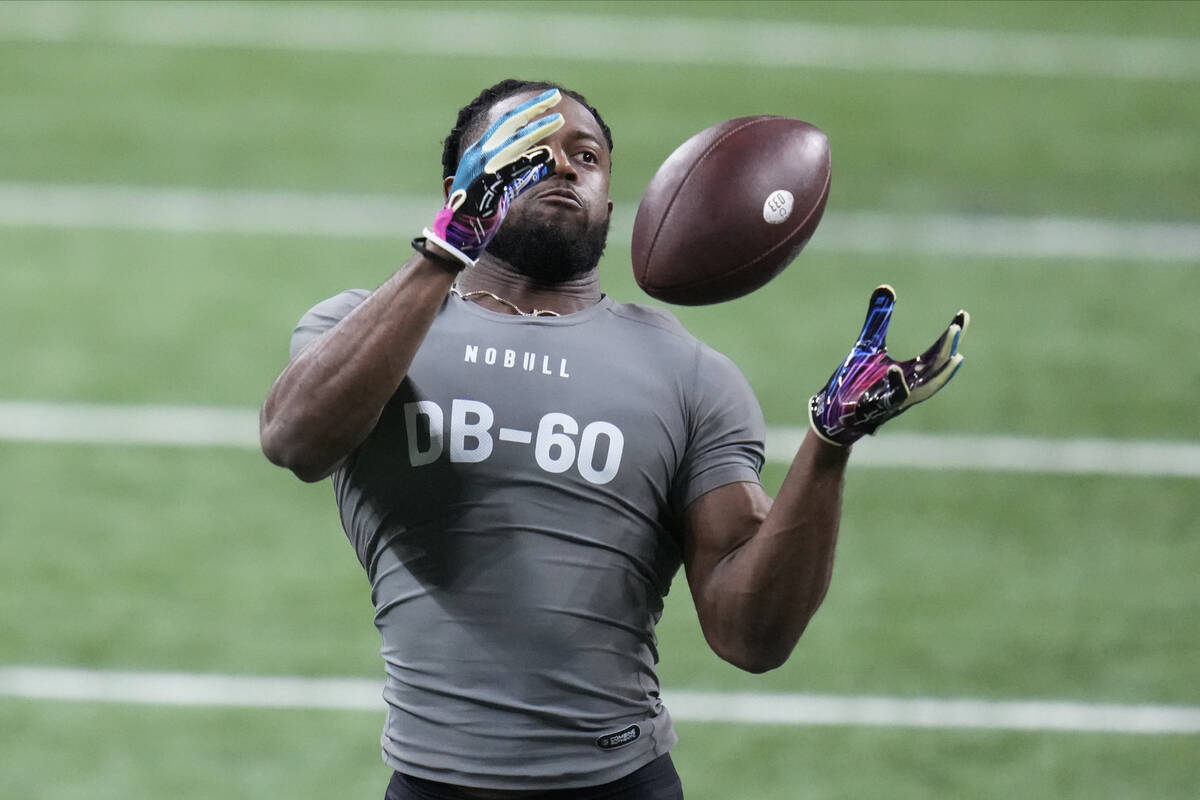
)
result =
(471, 113)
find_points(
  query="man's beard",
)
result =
(549, 252)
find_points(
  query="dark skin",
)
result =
(757, 568)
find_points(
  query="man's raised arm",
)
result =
(330, 396)
(758, 570)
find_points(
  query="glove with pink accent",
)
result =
(869, 388)
(500, 165)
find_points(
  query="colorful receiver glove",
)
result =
(869, 388)
(502, 164)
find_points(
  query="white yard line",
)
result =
(196, 210)
(751, 708)
(1028, 715)
(200, 426)
(609, 38)
(1086, 456)
(85, 423)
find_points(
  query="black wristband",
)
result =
(418, 244)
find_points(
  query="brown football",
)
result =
(729, 209)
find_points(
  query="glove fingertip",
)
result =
(949, 371)
(955, 335)
(516, 150)
(542, 128)
(879, 317)
(504, 127)
(521, 141)
(959, 328)
(547, 99)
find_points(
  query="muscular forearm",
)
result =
(756, 598)
(329, 398)
(790, 559)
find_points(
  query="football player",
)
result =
(522, 465)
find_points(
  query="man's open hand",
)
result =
(495, 169)
(869, 388)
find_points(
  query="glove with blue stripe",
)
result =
(494, 170)
(869, 388)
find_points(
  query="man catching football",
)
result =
(522, 465)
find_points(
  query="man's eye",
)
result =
(588, 156)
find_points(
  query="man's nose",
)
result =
(563, 167)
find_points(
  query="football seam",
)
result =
(671, 203)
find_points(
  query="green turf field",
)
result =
(970, 584)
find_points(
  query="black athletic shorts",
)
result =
(658, 780)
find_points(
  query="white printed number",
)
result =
(597, 455)
(778, 206)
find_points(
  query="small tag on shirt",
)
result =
(611, 741)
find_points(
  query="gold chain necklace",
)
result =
(537, 312)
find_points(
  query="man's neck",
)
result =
(497, 277)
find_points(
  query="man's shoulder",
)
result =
(652, 317)
(323, 316)
(340, 304)
(670, 329)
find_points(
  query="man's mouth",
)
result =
(560, 194)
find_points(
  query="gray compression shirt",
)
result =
(516, 510)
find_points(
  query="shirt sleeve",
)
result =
(726, 431)
(323, 316)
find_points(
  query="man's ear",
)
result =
(446, 184)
